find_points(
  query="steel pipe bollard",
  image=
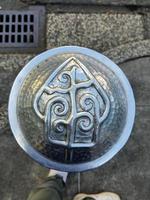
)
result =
(71, 109)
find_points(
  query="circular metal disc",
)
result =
(71, 109)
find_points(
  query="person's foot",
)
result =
(100, 196)
(53, 172)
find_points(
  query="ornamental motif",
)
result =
(72, 105)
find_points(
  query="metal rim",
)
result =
(16, 129)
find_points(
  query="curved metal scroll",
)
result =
(72, 105)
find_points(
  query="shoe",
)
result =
(100, 196)
(53, 172)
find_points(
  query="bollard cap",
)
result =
(71, 109)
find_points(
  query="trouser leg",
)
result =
(51, 189)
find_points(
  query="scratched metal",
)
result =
(71, 109)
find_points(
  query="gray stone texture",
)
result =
(10, 65)
(3, 118)
(129, 51)
(146, 23)
(98, 2)
(97, 31)
(12, 4)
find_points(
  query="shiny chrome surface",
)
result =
(72, 105)
(71, 109)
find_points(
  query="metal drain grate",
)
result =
(22, 30)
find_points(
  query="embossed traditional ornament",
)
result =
(72, 105)
(71, 109)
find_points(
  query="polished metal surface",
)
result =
(72, 105)
(71, 109)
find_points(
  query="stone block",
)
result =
(97, 31)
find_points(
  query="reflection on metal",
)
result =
(72, 105)
(71, 109)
